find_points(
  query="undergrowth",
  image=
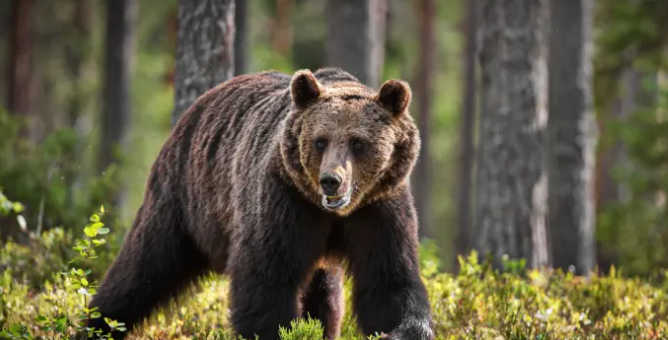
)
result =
(476, 303)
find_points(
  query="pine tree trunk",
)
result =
(117, 100)
(120, 46)
(76, 53)
(511, 181)
(572, 136)
(20, 92)
(240, 37)
(76, 57)
(281, 37)
(356, 37)
(421, 177)
(204, 50)
(466, 139)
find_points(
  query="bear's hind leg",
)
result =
(157, 260)
(323, 300)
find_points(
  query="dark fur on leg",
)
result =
(388, 295)
(157, 261)
(287, 238)
(323, 300)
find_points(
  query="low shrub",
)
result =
(477, 303)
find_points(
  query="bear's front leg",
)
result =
(261, 303)
(277, 248)
(388, 293)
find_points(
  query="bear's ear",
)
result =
(395, 96)
(304, 88)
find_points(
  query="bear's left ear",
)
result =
(395, 96)
(304, 88)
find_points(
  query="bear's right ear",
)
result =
(304, 88)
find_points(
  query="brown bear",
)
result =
(282, 183)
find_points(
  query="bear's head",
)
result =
(345, 145)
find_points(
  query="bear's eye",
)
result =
(357, 145)
(320, 144)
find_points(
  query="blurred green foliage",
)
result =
(38, 175)
(633, 229)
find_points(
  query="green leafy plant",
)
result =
(75, 280)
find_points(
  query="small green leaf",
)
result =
(103, 231)
(99, 242)
(61, 323)
(95, 218)
(15, 328)
(18, 207)
(90, 232)
(84, 282)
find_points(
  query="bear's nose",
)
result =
(330, 182)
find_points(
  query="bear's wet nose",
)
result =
(330, 183)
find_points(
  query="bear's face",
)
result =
(352, 144)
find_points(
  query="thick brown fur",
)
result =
(237, 188)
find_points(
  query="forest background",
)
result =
(543, 122)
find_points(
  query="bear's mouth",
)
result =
(337, 202)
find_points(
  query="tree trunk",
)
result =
(241, 37)
(204, 50)
(511, 181)
(572, 136)
(281, 38)
(20, 92)
(76, 55)
(466, 137)
(356, 37)
(121, 20)
(422, 175)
